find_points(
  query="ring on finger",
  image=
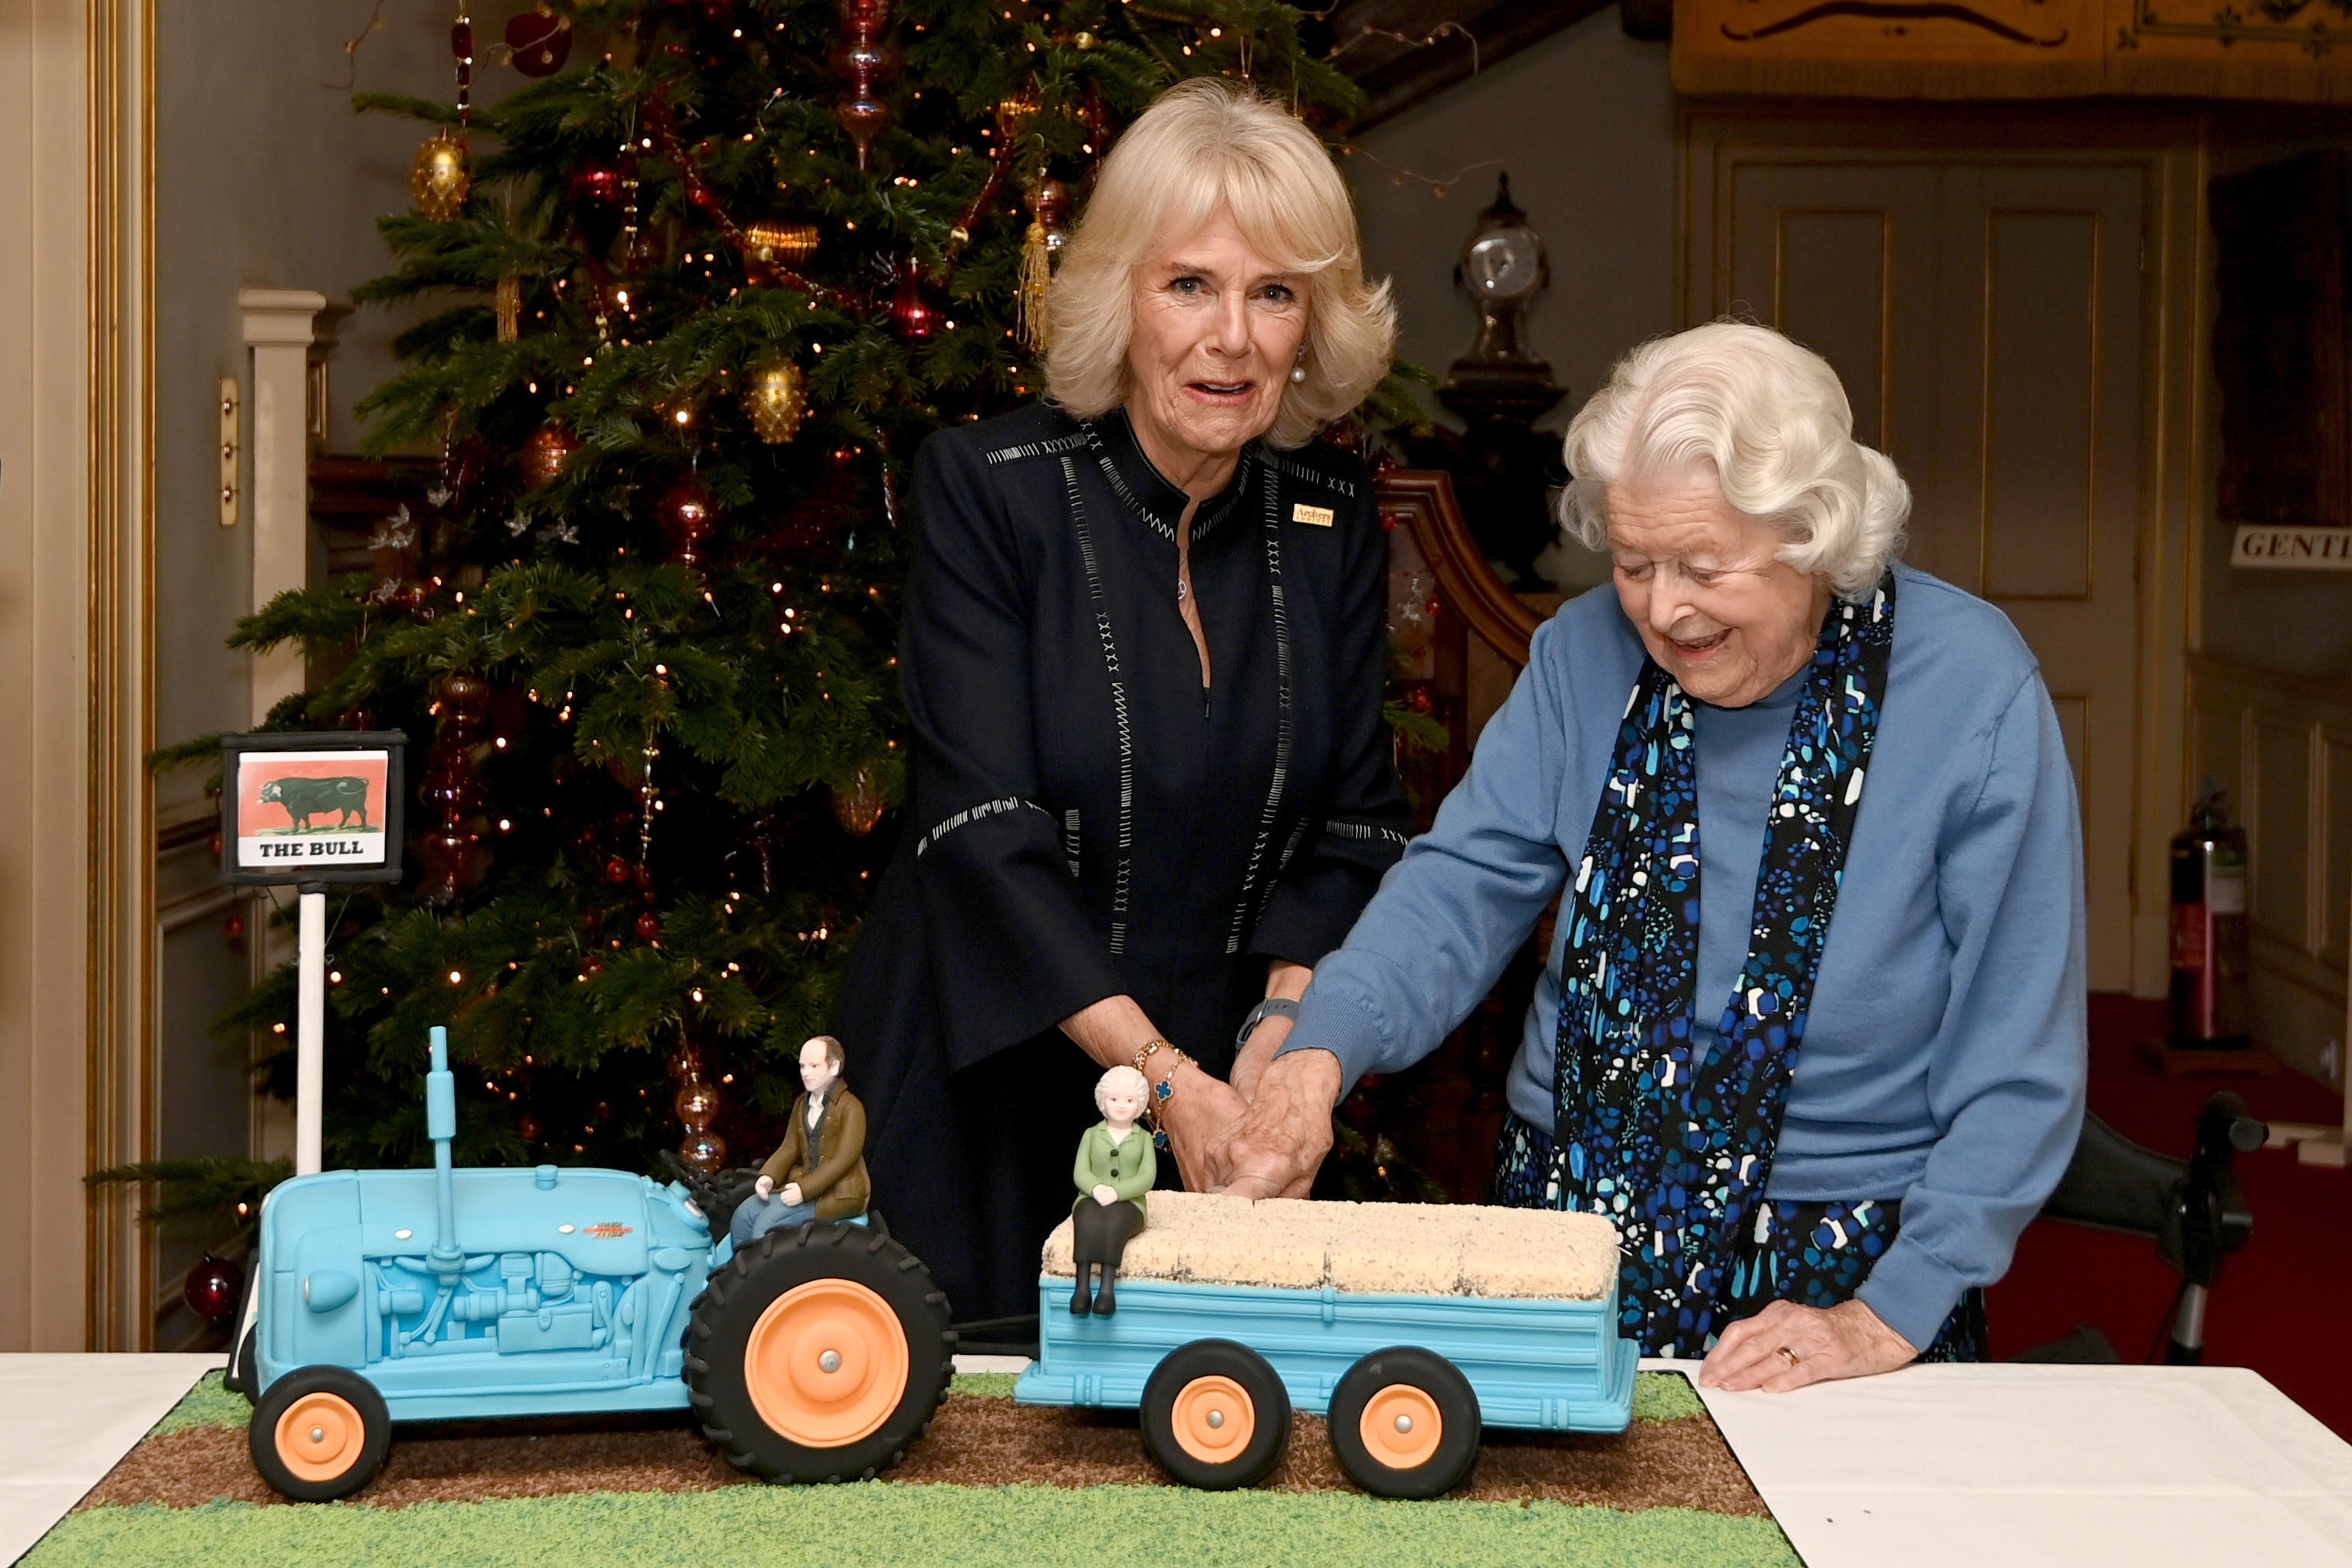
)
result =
(1785, 1354)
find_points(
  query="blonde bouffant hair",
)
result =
(1204, 144)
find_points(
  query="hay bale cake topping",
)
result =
(1386, 1249)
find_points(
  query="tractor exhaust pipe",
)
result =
(447, 1259)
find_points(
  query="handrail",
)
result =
(1423, 499)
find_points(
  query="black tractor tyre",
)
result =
(1270, 1408)
(239, 1378)
(741, 1292)
(361, 1455)
(1441, 1382)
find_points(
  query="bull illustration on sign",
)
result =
(306, 798)
(312, 808)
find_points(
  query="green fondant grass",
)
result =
(207, 1404)
(885, 1525)
(987, 1384)
(1665, 1396)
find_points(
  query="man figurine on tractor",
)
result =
(819, 1172)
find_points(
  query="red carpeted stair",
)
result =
(2277, 1305)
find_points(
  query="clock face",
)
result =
(1504, 264)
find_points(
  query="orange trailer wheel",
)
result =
(1405, 1422)
(1215, 1416)
(1402, 1426)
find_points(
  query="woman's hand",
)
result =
(1286, 979)
(1844, 1341)
(1199, 1118)
(1106, 1195)
(1278, 1147)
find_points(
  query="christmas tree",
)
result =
(707, 285)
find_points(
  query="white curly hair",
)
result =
(1768, 419)
(1122, 1080)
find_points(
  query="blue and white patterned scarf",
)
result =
(1677, 1147)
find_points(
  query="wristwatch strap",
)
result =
(1272, 1007)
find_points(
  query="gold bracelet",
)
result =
(1159, 1095)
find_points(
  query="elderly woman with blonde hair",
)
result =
(1821, 1101)
(1143, 659)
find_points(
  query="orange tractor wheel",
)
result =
(819, 1352)
(319, 1433)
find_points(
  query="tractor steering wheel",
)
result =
(717, 1196)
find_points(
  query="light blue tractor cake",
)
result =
(390, 1296)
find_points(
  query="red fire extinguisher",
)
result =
(2209, 930)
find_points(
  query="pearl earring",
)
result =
(1299, 374)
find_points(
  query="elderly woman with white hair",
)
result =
(1821, 1101)
(1143, 659)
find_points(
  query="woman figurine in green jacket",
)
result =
(1114, 1170)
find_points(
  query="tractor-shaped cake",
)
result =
(816, 1355)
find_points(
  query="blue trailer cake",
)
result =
(1410, 1326)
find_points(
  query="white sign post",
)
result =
(310, 1032)
(313, 810)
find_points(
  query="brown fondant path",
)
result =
(975, 1441)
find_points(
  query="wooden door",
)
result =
(1984, 311)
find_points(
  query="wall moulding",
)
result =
(2293, 51)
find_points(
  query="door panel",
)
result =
(1984, 311)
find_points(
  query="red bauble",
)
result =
(595, 194)
(686, 514)
(649, 927)
(529, 1128)
(214, 1289)
(234, 928)
(915, 313)
(540, 41)
(1418, 701)
(617, 871)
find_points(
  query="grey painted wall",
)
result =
(1584, 122)
(265, 178)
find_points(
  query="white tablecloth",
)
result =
(66, 1419)
(1975, 1466)
(2003, 1467)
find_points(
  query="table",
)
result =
(2006, 1465)
(1975, 1466)
(64, 1422)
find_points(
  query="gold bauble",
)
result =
(440, 181)
(545, 451)
(857, 804)
(1014, 114)
(774, 399)
(778, 242)
(1084, 40)
(510, 309)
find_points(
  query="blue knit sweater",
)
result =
(1944, 1058)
